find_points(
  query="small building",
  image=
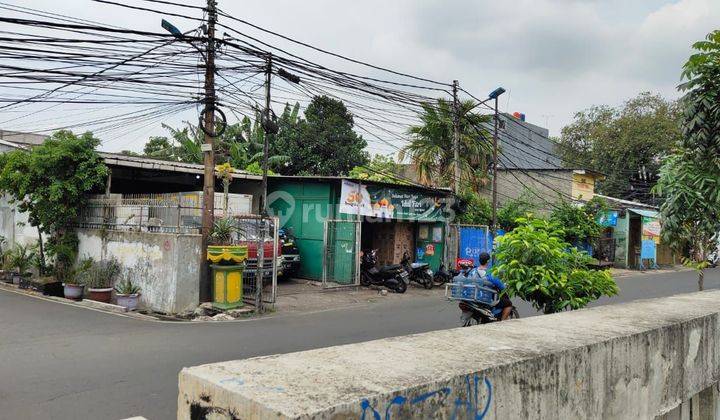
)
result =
(333, 218)
(147, 217)
(633, 230)
(530, 165)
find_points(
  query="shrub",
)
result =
(100, 274)
(538, 266)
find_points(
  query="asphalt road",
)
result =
(62, 362)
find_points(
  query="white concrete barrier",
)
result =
(633, 361)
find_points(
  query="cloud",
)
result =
(554, 57)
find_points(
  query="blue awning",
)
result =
(645, 213)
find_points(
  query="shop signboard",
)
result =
(473, 242)
(608, 219)
(355, 199)
(647, 249)
(388, 203)
(651, 229)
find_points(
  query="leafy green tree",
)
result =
(478, 210)
(513, 209)
(159, 147)
(50, 182)
(250, 150)
(324, 143)
(538, 266)
(431, 146)
(690, 177)
(381, 168)
(625, 143)
(579, 222)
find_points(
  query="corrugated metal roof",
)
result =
(618, 202)
(645, 213)
(118, 159)
(440, 190)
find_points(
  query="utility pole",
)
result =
(495, 163)
(269, 129)
(208, 206)
(456, 137)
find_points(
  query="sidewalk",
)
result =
(297, 295)
(624, 272)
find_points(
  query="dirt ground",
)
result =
(298, 295)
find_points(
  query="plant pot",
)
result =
(236, 254)
(5, 276)
(26, 281)
(73, 291)
(101, 295)
(53, 288)
(130, 302)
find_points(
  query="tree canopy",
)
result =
(626, 143)
(538, 266)
(307, 146)
(380, 168)
(50, 182)
(690, 178)
(431, 146)
(324, 143)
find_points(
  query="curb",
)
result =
(85, 303)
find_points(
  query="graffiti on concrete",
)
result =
(467, 402)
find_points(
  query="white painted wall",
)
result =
(166, 265)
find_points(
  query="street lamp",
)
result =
(495, 94)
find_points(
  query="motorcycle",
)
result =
(713, 258)
(419, 272)
(444, 275)
(474, 313)
(394, 276)
(477, 300)
(290, 253)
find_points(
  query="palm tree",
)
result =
(431, 147)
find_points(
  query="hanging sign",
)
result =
(388, 203)
(651, 229)
(354, 199)
(608, 219)
(396, 203)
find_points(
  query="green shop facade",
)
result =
(334, 219)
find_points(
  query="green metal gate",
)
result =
(341, 259)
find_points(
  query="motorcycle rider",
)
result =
(482, 271)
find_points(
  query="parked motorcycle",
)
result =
(290, 253)
(445, 275)
(394, 276)
(713, 258)
(419, 272)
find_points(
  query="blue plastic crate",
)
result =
(466, 289)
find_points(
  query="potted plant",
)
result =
(100, 278)
(73, 286)
(228, 264)
(21, 259)
(127, 294)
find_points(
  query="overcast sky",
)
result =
(553, 57)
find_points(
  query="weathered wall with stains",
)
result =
(633, 361)
(167, 265)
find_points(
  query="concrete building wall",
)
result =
(541, 186)
(14, 225)
(167, 265)
(637, 360)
